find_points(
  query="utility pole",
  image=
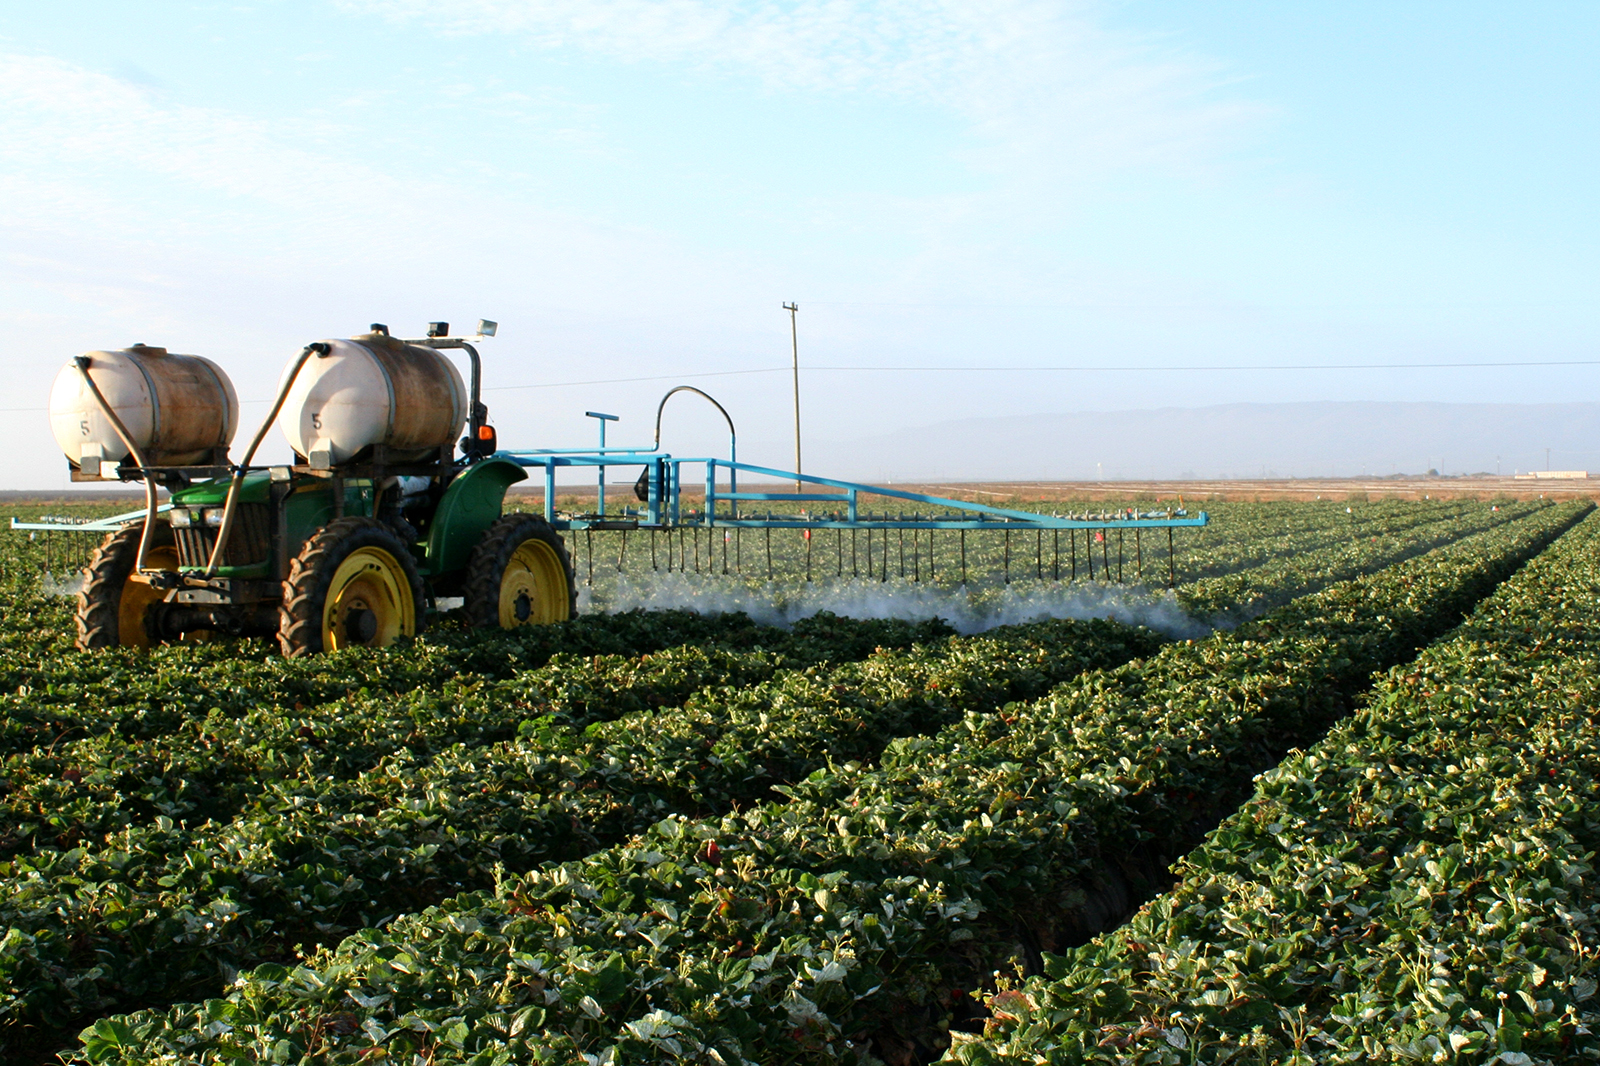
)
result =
(794, 342)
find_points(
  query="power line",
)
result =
(1003, 370)
(1068, 369)
(540, 385)
(1230, 366)
(1056, 369)
(652, 377)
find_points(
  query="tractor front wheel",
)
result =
(520, 575)
(353, 584)
(115, 603)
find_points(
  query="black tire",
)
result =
(100, 621)
(487, 572)
(303, 621)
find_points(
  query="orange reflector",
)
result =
(486, 433)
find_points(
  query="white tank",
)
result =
(177, 408)
(374, 389)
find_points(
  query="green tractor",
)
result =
(382, 515)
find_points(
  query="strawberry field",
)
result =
(1345, 812)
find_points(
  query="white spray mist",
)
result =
(65, 585)
(966, 609)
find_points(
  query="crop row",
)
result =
(207, 768)
(858, 914)
(1235, 597)
(1240, 538)
(1273, 540)
(50, 697)
(1245, 523)
(61, 696)
(1420, 886)
(613, 782)
(75, 791)
(313, 857)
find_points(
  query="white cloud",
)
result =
(113, 183)
(79, 144)
(1052, 101)
(121, 211)
(1042, 82)
(126, 214)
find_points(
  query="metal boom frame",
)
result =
(665, 505)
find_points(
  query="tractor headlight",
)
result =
(180, 517)
(214, 516)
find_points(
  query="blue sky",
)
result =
(632, 188)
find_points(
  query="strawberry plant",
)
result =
(858, 913)
(1420, 886)
(444, 825)
(206, 768)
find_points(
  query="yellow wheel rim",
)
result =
(369, 602)
(533, 590)
(138, 596)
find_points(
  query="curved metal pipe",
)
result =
(243, 468)
(733, 436)
(82, 363)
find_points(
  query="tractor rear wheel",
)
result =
(115, 602)
(353, 584)
(520, 575)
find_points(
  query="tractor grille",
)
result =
(250, 543)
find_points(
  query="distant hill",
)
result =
(1229, 440)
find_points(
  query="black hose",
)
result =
(733, 436)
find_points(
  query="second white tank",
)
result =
(374, 389)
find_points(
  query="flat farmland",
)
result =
(1334, 801)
